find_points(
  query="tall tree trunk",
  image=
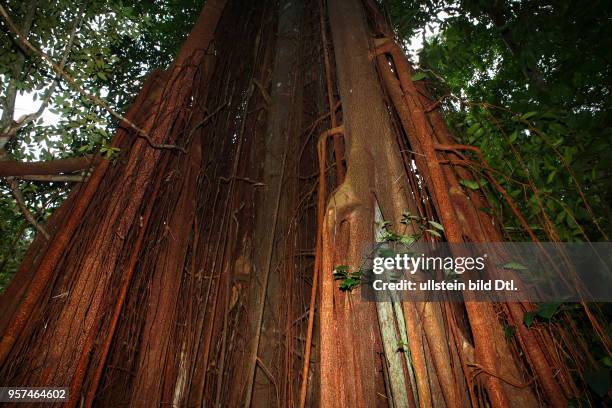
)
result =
(272, 218)
(186, 279)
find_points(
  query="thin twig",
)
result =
(14, 186)
(248, 180)
(264, 92)
(436, 104)
(205, 120)
(268, 373)
(478, 369)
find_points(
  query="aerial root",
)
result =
(321, 143)
(478, 369)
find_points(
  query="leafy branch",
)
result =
(351, 280)
(31, 117)
(60, 71)
(348, 280)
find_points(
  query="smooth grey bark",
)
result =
(282, 129)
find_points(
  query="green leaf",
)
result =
(350, 282)
(434, 233)
(513, 136)
(341, 268)
(528, 115)
(436, 225)
(407, 216)
(407, 239)
(384, 224)
(548, 310)
(471, 184)
(513, 265)
(509, 332)
(473, 128)
(392, 237)
(340, 272)
(528, 318)
(418, 76)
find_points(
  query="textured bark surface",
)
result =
(204, 278)
(272, 213)
(17, 168)
(350, 342)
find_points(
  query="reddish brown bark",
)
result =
(187, 279)
(350, 366)
(468, 217)
(155, 105)
(61, 166)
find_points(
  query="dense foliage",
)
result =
(529, 83)
(114, 46)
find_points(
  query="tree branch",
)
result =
(28, 118)
(76, 178)
(14, 186)
(10, 168)
(8, 102)
(70, 80)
